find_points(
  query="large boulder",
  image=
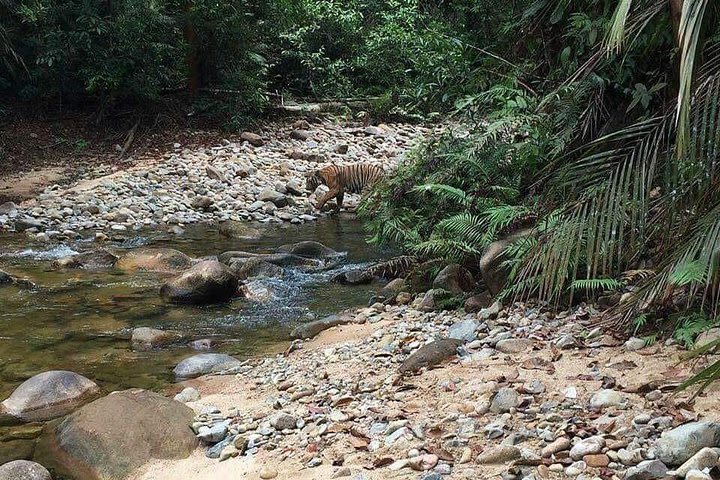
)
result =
(679, 444)
(245, 268)
(493, 271)
(100, 259)
(146, 338)
(205, 363)
(311, 329)
(280, 259)
(23, 470)
(205, 282)
(114, 435)
(454, 278)
(309, 249)
(48, 395)
(159, 260)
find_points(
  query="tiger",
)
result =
(350, 178)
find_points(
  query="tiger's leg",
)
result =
(339, 199)
(330, 194)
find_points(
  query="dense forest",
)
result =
(588, 131)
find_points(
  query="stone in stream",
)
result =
(146, 338)
(48, 395)
(280, 259)
(159, 260)
(678, 445)
(23, 470)
(100, 259)
(205, 363)
(114, 435)
(245, 268)
(239, 230)
(354, 277)
(454, 278)
(430, 355)
(309, 249)
(311, 329)
(208, 281)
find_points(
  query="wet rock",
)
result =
(100, 259)
(26, 222)
(280, 259)
(239, 230)
(146, 338)
(354, 277)
(705, 458)
(49, 395)
(477, 302)
(430, 355)
(160, 260)
(188, 394)
(647, 470)
(505, 399)
(311, 329)
(308, 249)
(252, 138)
(606, 398)
(205, 282)
(253, 267)
(23, 470)
(205, 363)
(147, 425)
(464, 330)
(454, 278)
(678, 445)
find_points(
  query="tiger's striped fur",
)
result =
(340, 179)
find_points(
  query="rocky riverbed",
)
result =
(256, 176)
(517, 393)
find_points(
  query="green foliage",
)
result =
(688, 327)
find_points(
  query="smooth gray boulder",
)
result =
(146, 338)
(678, 445)
(100, 259)
(49, 395)
(114, 435)
(23, 470)
(251, 267)
(308, 248)
(205, 363)
(647, 470)
(430, 355)
(464, 330)
(208, 281)
(279, 259)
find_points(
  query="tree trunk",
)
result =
(675, 16)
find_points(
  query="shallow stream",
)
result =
(81, 321)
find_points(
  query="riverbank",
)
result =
(254, 176)
(527, 394)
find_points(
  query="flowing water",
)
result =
(81, 321)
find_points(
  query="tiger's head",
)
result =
(312, 181)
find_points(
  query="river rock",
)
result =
(159, 260)
(208, 281)
(309, 249)
(205, 363)
(633, 344)
(49, 395)
(678, 445)
(311, 329)
(504, 399)
(477, 302)
(239, 230)
(188, 394)
(300, 134)
(252, 138)
(514, 345)
(558, 445)
(269, 194)
(146, 338)
(23, 470)
(354, 277)
(99, 259)
(283, 421)
(252, 267)
(203, 203)
(5, 278)
(705, 458)
(464, 330)
(499, 454)
(454, 278)
(430, 355)
(646, 470)
(606, 398)
(114, 435)
(587, 446)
